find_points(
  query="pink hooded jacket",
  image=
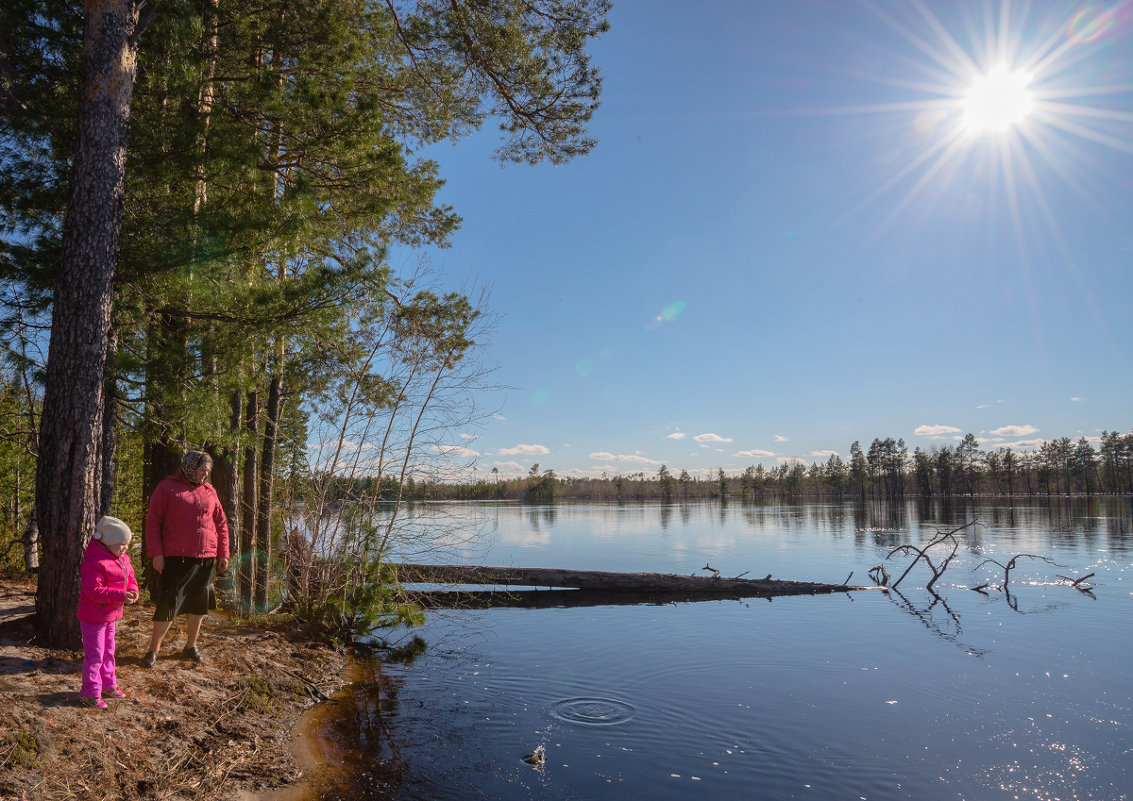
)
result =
(103, 581)
(186, 519)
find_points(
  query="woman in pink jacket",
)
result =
(186, 537)
(106, 583)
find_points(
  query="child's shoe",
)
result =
(93, 703)
(114, 692)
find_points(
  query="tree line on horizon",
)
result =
(884, 471)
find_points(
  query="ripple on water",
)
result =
(593, 711)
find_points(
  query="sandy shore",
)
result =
(242, 725)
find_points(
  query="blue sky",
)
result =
(786, 240)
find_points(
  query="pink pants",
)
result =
(98, 658)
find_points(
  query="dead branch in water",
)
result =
(1011, 564)
(1077, 583)
(922, 553)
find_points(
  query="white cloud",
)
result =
(781, 438)
(702, 438)
(470, 436)
(498, 416)
(790, 460)
(456, 451)
(755, 453)
(505, 467)
(824, 454)
(1014, 431)
(1076, 399)
(1024, 444)
(935, 431)
(604, 456)
(677, 435)
(524, 450)
(984, 406)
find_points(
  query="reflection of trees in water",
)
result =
(358, 741)
(881, 516)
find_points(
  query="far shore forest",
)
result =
(885, 471)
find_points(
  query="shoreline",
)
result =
(244, 724)
(312, 753)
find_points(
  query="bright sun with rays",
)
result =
(997, 101)
(1009, 102)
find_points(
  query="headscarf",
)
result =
(193, 460)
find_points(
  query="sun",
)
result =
(997, 101)
(1009, 103)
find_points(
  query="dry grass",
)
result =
(184, 731)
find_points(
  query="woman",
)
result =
(186, 536)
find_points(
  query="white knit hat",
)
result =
(113, 531)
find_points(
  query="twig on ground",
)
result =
(311, 686)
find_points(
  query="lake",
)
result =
(866, 695)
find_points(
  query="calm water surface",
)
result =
(869, 695)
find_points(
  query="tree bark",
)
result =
(267, 485)
(109, 430)
(31, 542)
(226, 473)
(247, 573)
(69, 471)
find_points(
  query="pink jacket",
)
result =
(185, 520)
(103, 581)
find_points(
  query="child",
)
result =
(106, 582)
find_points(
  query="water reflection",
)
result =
(365, 760)
(946, 626)
(817, 697)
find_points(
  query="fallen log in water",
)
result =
(652, 584)
(563, 599)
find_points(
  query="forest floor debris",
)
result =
(218, 730)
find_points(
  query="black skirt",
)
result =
(185, 587)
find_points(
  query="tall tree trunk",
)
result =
(226, 473)
(31, 542)
(69, 471)
(248, 506)
(166, 355)
(109, 429)
(226, 480)
(267, 484)
(159, 460)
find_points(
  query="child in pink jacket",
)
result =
(106, 583)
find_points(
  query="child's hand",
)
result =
(131, 596)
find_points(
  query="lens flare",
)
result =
(668, 314)
(1090, 24)
(540, 397)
